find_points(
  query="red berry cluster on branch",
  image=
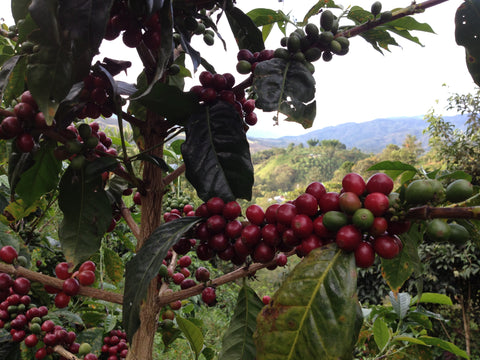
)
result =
(220, 87)
(25, 125)
(85, 143)
(85, 276)
(357, 219)
(115, 345)
(25, 321)
(97, 93)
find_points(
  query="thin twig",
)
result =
(127, 215)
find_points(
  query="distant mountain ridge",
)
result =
(371, 136)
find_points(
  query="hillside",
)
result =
(371, 136)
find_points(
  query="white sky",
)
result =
(360, 86)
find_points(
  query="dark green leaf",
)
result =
(42, 177)
(467, 34)
(116, 186)
(176, 146)
(359, 16)
(170, 102)
(394, 168)
(9, 237)
(92, 336)
(237, 342)
(397, 270)
(445, 345)
(113, 265)
(7, 74)
(68, 317)
(381, 333)
(400, 303)
(262, 17)
(288, 87)
(208, 353)
(44, 13)
(9, 350)
(20, 9)
(246, 33)
(86, 214)
(315, 9)
(217, 154)
(315, 314)
(145, 266)
(379, 38)
(85, 22)
(18, 163)
(192, 333)
(99, 166)
(169, 336)
(49, 77)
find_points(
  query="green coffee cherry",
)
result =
(343, 41)
(335, 47)
(327, 56)
(386, 15)
(313, 54)
(298, 56)
(311, 29)
(326, 38)
(281, 53)
(326, 20)
(293, 43)
(376, 8)
(208, 39)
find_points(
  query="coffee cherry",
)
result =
(71, 286)
(8, 254)
(61, 300)
(263, 253)
(25, 142)
(364, 255)
(185, 261)
(266, 299)
(202, 274)
(208, 296)
(87, 265)
(21, 286)
(231, 210)
(31, 340)
(255, 214)
(386, 246)
(348, 237)
(377, 203)
(61, 271)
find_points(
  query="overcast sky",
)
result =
(360, 86)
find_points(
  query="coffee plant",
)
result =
(53, 99)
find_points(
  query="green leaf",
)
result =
(42, 177)
(113, 265)
(20, 9)
(445, 345)
(432, 298)
(262, 16)
(409, 339)
(92, 336)
(400, 303)
(315, 314)
(392, 165)
(399, 269)
(8, 349)
(9, 237)
(381, 333)
(18, 163)
(237, 342)
(145, 266)
(467, 32)
(217, 154)
(109, 323)
(288, 87)
(192, 333)
(315, 9)
(44, 13)
(69, 317)
(8, 76)
(169, 101)
(84, 21)
(246, 33)
(208, 353)
(87, 214)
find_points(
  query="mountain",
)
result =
(371, 136)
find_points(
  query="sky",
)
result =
(361, 86)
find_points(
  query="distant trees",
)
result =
(457, 149)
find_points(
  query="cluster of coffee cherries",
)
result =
(85, 142)
(133, 30)
(85, 276)
(357, 219)
(25, 125)
(182, 276)
(97, 94)
(220, 87)
(115, 345)
(28, 323)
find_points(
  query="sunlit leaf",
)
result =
(315, 313)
